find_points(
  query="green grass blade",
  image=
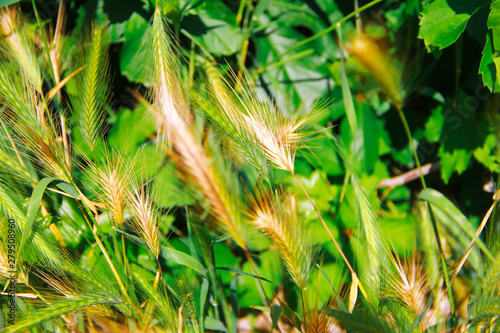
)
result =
(33, 206)
(55, 310)
(346, 92)
(443, 203)
(171, 254)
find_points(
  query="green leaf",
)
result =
(214, 27)
(131, 129)
(214, 324)
(171, 254)
(68, 189)
(434, 125)
(441, 25)
(4, 3)
(454, 161)
(455, 218)
(484, 154)
(33, 207)
(182, 258)
(494, 23)
(488, 68)
(132, 49)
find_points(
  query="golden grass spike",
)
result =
(19, 46)
(379, 65)
(278, 217)
(112, 180)
(146, 218)
(409, 284)
(271, 131)
(174, 122)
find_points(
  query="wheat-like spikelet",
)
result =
(90, 103)
(409, 284)
(45, 251)
(278, 217)
(146, 217)
(18, 45)
(112, 180)
(372, 241)
(173, 119)
(48, 152)
(257, 124)
(168, 95)
(5, 266)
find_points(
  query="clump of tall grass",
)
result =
(124, 279)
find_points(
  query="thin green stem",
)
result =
(44, 38)
(326, 227)
(412, 145)
(431, 213)
(329, 29)
(263, 292)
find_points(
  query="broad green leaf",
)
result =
(453, 161)
(132, 49)
(275, 316)
(268, 266)
(168, 190)
(131, 129)
(33, 207)
(441, 25)
(494, 23)
(214, 26)
(69, 189)
(214, 324)
(460, 136)
(182, 258)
